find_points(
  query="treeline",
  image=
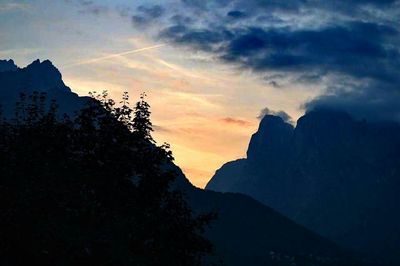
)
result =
(91, 190)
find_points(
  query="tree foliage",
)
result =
(93, 190)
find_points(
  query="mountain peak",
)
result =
(324, 128)
(44, 74)
(271, 120)
(45, 65)
(35, 62)
(40, 76)
(7, 65)
(272, 133)
(334, 174)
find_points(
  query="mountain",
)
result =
(335, 175)
(7, 65)
(40, 77)
(246, 231)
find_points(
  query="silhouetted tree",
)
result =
(94, 190)
(141, 121)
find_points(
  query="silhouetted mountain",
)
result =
(7, 65)
(40, 77)
(335, 175)
(246, 232)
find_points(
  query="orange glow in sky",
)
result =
(205, 109)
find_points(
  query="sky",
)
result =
(212, 68)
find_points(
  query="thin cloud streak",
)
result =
(235, 121)
(95, 60)
(180, 70)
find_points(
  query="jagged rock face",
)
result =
(335, 175)
(44, 76)
(40, 77)
(271, 140)
(7, 65)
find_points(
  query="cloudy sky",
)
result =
(210, 67)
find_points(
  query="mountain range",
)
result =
(337, 176)
(247, 232)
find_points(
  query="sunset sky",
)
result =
(209, 68)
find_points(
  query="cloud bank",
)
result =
(348, 47)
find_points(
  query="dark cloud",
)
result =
(289, 6)
(358, 49)
(266, 111)
(146, 14)
(154, 11)
(339, 48)
(202, 5)
(236, 14)
(373, 102)
(249, 5)
(204, 39)
(181, 20)
(140, 20)
(315, 42)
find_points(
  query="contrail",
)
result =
(94, 60)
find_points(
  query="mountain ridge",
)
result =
(335, 175)
(7, 65)
(40, 77)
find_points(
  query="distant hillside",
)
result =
(334, 175)
(246, 232)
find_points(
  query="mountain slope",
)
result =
(334, 175)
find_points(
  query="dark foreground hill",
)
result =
(245, 233)
(335, 175)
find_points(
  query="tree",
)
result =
(92, 190)
(142, 125)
